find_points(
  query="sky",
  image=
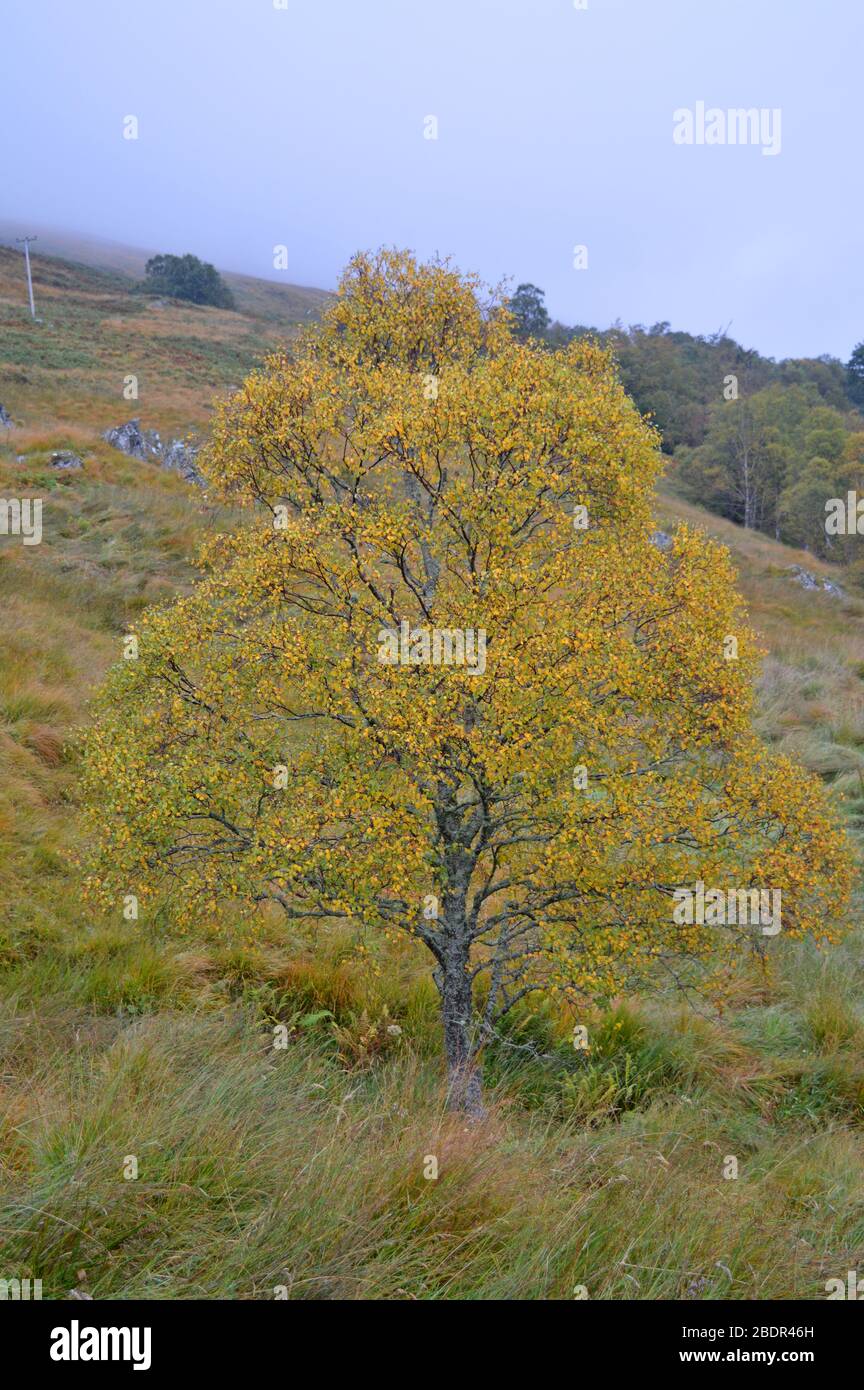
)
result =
(306, 124)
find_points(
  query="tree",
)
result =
(855, 376)
(530, 315)
(738, 471)
(441, 683)
(185, 277)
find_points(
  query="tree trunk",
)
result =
(464, 1084)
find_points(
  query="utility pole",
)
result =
(27, 240)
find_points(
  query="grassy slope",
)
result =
(304, 1167)
(265, 299)
(93, 331)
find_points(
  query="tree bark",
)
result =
(464, 1080)
(464, 1083)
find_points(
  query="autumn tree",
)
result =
(441, 683)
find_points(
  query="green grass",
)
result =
(260, 1167)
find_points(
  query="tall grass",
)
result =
(262, 1169)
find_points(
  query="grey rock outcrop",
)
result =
(181, 455)
(803, 577)
(177, 454)
(64, 458)
(798, 575)
(6, 420)
(132, 440)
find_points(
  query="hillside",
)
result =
(303, 1170)
(93, 330)
(268, 300)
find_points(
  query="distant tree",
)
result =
(677, 378)
(187, 277)
(736, 471)
(558, 335)
(855, 376)
(529, 311)
(802, 512)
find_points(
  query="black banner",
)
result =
(66, 1338)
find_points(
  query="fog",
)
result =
(308, 126)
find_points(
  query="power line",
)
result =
(27, 240)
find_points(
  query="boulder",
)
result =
(181, 455)
(798, 575)
(177, 454)
(64, 458)
(132, 440)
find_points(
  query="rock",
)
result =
(132, 440)
(181, 456)
(6, 420)
(64, 458)
(809, 581)
(803, 577)
(178, 454)
(662, 540)
(833, 589)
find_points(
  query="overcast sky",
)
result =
(306, 126)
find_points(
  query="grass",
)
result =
(304, 1168)
(261, 1168)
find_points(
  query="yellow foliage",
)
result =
(410, 463)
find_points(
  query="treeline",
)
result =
(764, 443)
